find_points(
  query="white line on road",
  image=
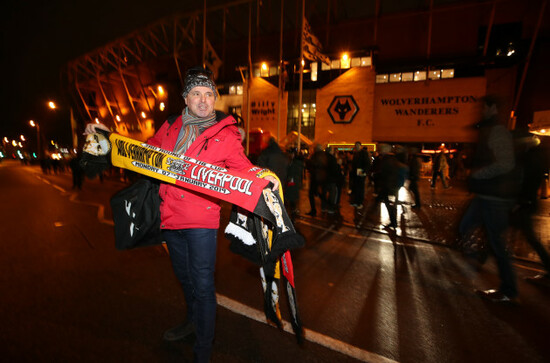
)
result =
(72, 198)
(309, 335)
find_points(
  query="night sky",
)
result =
(40, 37)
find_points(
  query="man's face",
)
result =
(357, 146)
(200, 101)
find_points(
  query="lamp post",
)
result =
(35, 124)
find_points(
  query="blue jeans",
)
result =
(494, 216)
(193, 256)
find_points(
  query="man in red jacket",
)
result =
(190, 220)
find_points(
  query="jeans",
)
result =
(315, 189)
(357, 189)
(413, 187)
(441, 175)
(384, 196)
(494, 216)
(193, 256)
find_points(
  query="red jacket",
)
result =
(219, 145)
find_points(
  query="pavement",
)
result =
(436, 222)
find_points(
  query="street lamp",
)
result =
(52, 105)
(35, 124)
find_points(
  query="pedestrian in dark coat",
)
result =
(415, 165)
(533, 162)
(317, 167)
(389, 184)
(494, 181)
(330, 189)
(294, 179)
(274, 159)
(77, 172)
(360, 168)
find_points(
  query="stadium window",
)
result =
(447, 73)
(257, 72)
(419, 76)
(366, 61)
(407, 77)
(273, 71)
(395, 77)
(381, 78)
(313, 67)
(435, 74)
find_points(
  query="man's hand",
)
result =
(92, 127)
(274, 180)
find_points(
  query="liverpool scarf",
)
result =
(267, 245)
(265, 240)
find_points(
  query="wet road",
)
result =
(364, 294)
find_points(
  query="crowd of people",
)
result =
(503, 173)
(330, 173)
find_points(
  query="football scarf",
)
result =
(259, 229)
(240, 188)
(267, 245)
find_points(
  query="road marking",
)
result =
(309, 335)
(74, 195)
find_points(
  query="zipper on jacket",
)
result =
(203, 147)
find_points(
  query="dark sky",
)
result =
(40, 37)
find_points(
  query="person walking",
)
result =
(533, 162)
(415, 165)
(494, 182)
(294, 179)
(274, 159)
(77, 172)
(389, 184)
(360, 168)
(317, 167)
(331, 189)
(440, 168)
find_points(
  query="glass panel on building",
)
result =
(308, 110)
(447, 73)
(419, 75)
(273, 71)
(366, 61)
(407, 77)
(395, 77)
(381, 78)
(434, 74)
(313, 67)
